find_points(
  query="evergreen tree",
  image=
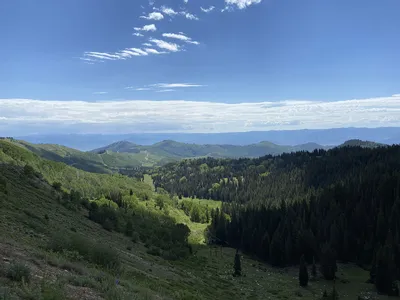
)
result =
(328, 263)
(237, 266)
(303, 272)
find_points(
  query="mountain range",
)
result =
(333, 136)
(127, 155)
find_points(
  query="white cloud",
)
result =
(189, 15)
(92, 57)
(100, 93)
(168, 11)
(137, 50)
(176, 85)
(164, 91)
(207, 10)
(101, 55)
(241, 4)
(26, 116)
(143, 89)
(180, 36)
(147, 44)
(165, 45)
(153, 51)
(150, 27)
(137, 34)
(153, 16)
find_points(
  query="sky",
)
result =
(103, 66)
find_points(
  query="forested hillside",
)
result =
(173, 150)
(339, 204)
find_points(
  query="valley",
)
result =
(52, 213)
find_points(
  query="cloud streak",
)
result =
(27, 116)
(165, 45)
(180, 36)
(150, 27)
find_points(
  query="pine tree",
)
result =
(303, 272)
(237, 266)
(328, 263)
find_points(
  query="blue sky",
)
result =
(275, 63)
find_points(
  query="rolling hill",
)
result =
(175, 150)
(124, 155)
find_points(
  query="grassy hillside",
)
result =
(51, 252)
(88, 184)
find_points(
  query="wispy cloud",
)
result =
(154, 51)
(153, 16)
(165, 45)
(150, 27)
(137, 34)
(189, 16)
(241, 4)
(93, 57)
(164, 87)
(165, 91)
(175, 85)
(147, 44)
(207, 10)
(100, 93)
(168, 11)
(180, 36)
(28, 116)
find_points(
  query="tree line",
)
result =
(337, 205)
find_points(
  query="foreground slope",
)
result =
(30, 218)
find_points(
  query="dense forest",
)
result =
(337, 205)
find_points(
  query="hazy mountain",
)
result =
(360, 143)
(176, 150)
(386, 135)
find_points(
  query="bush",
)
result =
(96, 253)
(135, 237)
(57, 185)
(19, 272)
(154, 251)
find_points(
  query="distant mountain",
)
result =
(335, 136)
(127, 155)
(360, 143)
(174, 150)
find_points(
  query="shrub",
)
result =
(57, 185)
(19, 272)
(96, 253)
(135, 237)
(154, 251)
